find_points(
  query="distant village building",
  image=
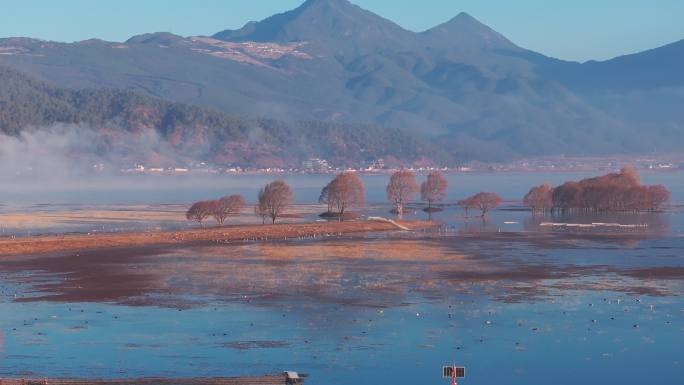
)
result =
(316, 164)
(373, 165)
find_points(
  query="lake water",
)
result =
(183, 189)
(511, 301)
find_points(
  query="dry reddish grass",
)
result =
(61, 243)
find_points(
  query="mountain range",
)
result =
(461, 86)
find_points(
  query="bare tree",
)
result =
(539, 198)
(342, 192)
(401, 189)
(485, 201)
(199, 211)
(273, 199)
(434, 188)
(226, 207)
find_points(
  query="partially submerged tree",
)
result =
(612, 192)
(540, 198)
(485, 201)
(342, 192)
(659, 195)
(568, 196)
(226, 207)
(402, 188)
(433, 189)
(199, 211)
(467, 204)
(273, 199)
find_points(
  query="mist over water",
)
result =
(67, 157)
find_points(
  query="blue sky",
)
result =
(567, 29)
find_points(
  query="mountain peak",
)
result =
(330, 24)
(311, 3)
(467, 31)
(464, 17)
(161, 38)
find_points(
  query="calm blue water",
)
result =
(517, 305)
(184, 189)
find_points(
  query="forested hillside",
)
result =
(138, 128)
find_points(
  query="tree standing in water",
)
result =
(467, 204)
(433, 189)
(485, 201)
(402, 188)
(540, 198)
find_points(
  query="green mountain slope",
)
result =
(127, 127)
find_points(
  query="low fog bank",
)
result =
(76, 164)
(69, 164)
(64, 152)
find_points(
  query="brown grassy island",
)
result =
(237, 233)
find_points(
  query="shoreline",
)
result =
(237, 233)
(274, 379)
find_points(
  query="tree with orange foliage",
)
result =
(402, 188)
(567, 196)
(659, 195)
(226, 207)
(486, 201)
(199, 211)
(273, 199)
(433, 189)
(620, 191)
(539, 198)
(467, 204)
(342, 192)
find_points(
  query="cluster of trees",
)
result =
(343, 192)
(403, 188)
(613, 192)
(272, 201)
(347, 190)
(219, 209)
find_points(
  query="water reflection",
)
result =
(653, 224)
(359, 271)
(347, 310)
